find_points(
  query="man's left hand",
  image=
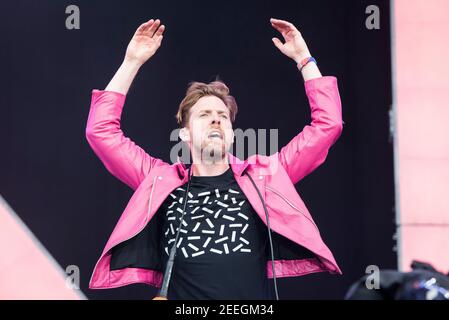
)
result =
(294, 47)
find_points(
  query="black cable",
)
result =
(269, 235)
(163, 292)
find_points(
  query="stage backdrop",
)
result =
(422, 145)
(51, 178)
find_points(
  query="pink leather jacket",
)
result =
(153, 179)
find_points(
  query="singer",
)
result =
(217, 227)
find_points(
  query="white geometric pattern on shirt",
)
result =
(205, 222)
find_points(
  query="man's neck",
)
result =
(215, 169)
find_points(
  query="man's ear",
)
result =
(184, 134)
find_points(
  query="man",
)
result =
(222, 251)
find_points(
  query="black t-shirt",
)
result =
(221, 251)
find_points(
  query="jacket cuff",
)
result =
(98, 92)
(320, 83)
(106, 95)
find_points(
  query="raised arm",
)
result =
(120, 155)
(143, 45)
(307, 150)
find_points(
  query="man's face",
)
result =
(210, 129)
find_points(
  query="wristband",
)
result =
(305, 61)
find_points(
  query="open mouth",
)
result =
(215, 135)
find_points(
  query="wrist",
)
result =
(301, 56)
(306, 62)
(131, 63)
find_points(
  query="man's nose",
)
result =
(215, 119)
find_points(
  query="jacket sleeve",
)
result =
(306, 151)
(119, 154)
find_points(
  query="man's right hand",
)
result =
(145, 42)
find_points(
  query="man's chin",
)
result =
(213, 154)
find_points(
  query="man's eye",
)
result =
(225, 116)
(202, 115)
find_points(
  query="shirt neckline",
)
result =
(221, 177)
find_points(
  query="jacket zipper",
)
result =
(146, 222)
(292, 205)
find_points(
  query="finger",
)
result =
(283, 26)
(283, 31)
(281, 22)
(287, 31)
(153, 27)
(159, 31)
(144, 26)
(280, 27)
(148, 24)
(277, 43)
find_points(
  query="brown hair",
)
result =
(197, 90)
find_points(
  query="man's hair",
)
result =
(197, 90)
